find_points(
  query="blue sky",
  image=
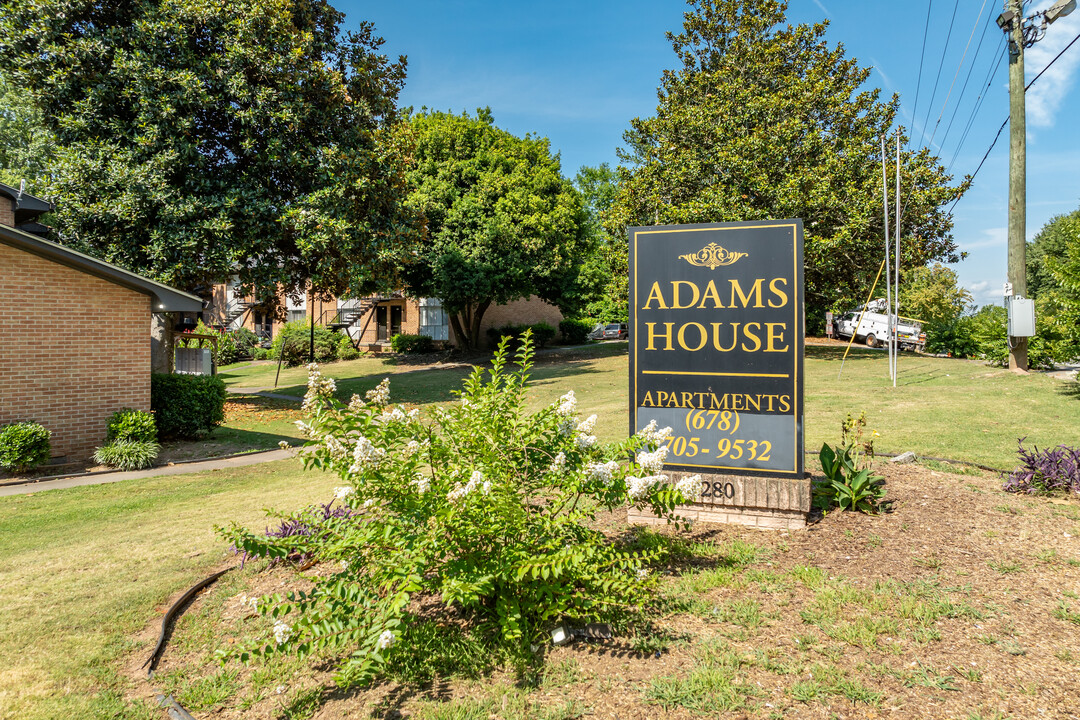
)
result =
(577, 72)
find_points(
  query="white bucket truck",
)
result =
(870, 324)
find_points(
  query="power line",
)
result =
(971, 68)
(1051, 62)
(922, 56)
(963, 56)
(937, 79)
(991, 73)
(1006, 122)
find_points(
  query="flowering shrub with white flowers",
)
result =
(486, 507)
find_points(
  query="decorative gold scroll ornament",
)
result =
(712, 256)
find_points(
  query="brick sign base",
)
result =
(764, 502)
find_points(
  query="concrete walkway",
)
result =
(99, 478)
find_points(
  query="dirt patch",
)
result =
(962, 602)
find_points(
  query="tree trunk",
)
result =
(466, 324)
(162, 342)
(477, 316)
(459, 333)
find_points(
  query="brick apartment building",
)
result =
(75, 336)
(369, 321)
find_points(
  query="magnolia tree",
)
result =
(486, 507)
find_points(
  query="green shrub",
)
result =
(231, 346)
(24, 446)
(488, 509)
(1051, 344)
(848, 483)
(575, 332)
(186, 406)
(127, 454)
(129, 424)
(412, 344)
(261, 353)
(346, 350)
(541, 334)
(296, 338)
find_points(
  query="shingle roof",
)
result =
(165, 297)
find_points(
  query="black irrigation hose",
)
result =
(937, 459)
(165, 621)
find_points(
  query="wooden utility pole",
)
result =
(1017, 175)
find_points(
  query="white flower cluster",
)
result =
(284, 444)
(318, 388)
(380, 394)
(394, 415)
(282, 632)
(366, 456)
(411, 448)
(651, 436)
(356, 403)
(340, 493)
(386, 640)
(585, 441)
(558, 464)
(566, 427)
(652, 462)
(602, 471)
(585, 438)
(642, 574)
(475, 480)
(423, 484)
(639, 487)
(305, 429)
(690, 487)
(567, 405)
(335, 448)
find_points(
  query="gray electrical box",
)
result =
(1021, 316)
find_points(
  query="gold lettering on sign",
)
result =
(712, 256)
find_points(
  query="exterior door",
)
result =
(380, 323)
(395, 320)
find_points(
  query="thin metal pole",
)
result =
(888, 275)
(896, 285)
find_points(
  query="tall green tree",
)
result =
(603, 280)
(933, 294)
(26, 147)
(1050, 245)
(502, 221)
(200, 139)
(761, 119)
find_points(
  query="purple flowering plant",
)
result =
(1045, 471)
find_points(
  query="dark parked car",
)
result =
(616, 331)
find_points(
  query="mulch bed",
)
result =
(1014, 560)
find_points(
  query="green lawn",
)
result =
(86, 569)
(941, 407)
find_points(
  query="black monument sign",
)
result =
(716, 344)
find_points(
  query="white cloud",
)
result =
(823, 8)
(985, 292)
(1045, 96)
(987, 238)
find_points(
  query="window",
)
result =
(434, 322)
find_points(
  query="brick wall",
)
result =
(75, 348)
(519, 312)
(7, 211)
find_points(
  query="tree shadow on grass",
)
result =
(1070, 390)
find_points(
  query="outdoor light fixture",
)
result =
(1005, 19)
(1060, 9)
